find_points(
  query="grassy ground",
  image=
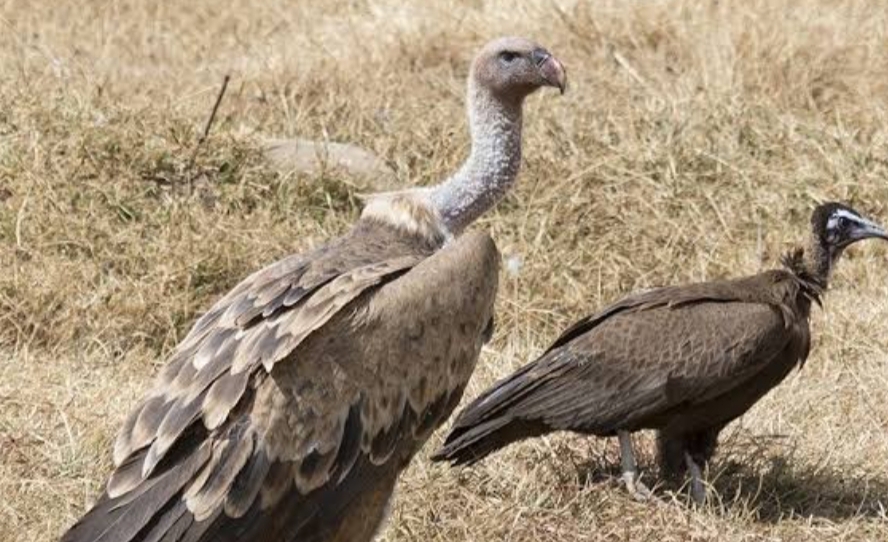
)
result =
(694, 140)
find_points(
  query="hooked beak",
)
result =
(551, 69)
(865, 229)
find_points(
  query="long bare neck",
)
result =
(491, 168)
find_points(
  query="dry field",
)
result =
(694, 140)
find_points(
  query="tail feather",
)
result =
(549, 394)
(476, 443)
(493, 420)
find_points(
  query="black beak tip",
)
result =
(539, 56)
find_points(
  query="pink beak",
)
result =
(551, 69)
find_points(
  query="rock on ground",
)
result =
(361, 167)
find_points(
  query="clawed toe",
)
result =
(637, 489)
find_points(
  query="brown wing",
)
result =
(291, 397)
(633, 363)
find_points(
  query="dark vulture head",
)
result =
(836, 226)
(512, 68)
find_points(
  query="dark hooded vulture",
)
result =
(684, 360)
(293, 404)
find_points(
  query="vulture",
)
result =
(292, 405)
(682, 360)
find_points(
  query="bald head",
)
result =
(503, 73)
(512, 68)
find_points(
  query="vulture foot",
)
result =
(638, 490)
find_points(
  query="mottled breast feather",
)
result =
(303, 391)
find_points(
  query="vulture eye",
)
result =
(508, 56)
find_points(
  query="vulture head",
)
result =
(836, 226)
(511, 68)
(503, 73)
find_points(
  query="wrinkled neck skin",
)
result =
(492, 166)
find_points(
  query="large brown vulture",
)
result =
(293, 404)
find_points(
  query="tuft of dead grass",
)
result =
(694, 141)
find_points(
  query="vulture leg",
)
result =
(690, 452)
(630, 468)
(671, 451)
(698, 491)
(702, 445)
(678, 451)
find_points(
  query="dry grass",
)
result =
(694, 140)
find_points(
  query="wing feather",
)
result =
(170, 524)
(125, 522)
(180, 416)
(126, 477)
(221, 398)
(625, 366)
(234, 442)
(246, 487)
(146, 423)
(230, 455)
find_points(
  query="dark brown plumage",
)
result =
(293, 404)
(683, 360)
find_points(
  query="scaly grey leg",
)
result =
(698, 491)
(630, 469)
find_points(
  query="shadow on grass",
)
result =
(764, 478)
(782, 489)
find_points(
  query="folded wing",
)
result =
(300, 394)
(630, 366)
